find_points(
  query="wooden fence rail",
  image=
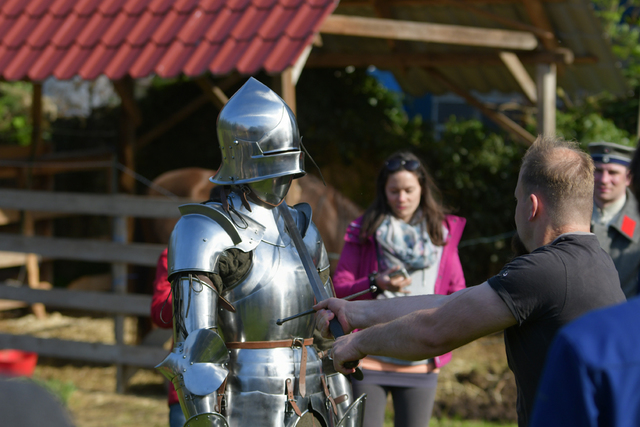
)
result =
(144, 254)
(118, 252)
(91, 204)
(143, 356)
(102, 302)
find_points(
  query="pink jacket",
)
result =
(358, 259)
(161, 307)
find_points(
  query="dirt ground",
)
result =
(477, 384)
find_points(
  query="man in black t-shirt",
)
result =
(545, 290)
(564, 275)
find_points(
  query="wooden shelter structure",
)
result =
(430, 45)
(532, 46)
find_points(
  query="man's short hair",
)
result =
(562, 174)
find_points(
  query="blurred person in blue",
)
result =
(592, 375)
(615, 220)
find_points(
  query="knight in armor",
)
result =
(234, 271)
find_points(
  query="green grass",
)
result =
(444, 422)
(447, 422)
(62, 390)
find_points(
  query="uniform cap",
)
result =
(608, 152)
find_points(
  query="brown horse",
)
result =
(332, 212)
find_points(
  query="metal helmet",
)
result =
(259, 138)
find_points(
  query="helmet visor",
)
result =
(271, 191)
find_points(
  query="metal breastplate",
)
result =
(275, 287)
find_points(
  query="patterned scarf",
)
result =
(405, 244)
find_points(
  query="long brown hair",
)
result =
(431, 208)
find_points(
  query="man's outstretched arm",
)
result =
(447, 322)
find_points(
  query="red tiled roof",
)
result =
(65, 38)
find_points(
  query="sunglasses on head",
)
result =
(395, 164)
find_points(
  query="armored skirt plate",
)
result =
(265, 372)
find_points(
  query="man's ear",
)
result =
(628, 177)
(535, 206)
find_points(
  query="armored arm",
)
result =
(197, 365)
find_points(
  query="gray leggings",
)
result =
(412, 407)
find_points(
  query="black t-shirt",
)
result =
(545, 290)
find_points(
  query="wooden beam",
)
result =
(519, 73)
(173, 120)
(288, 88)
(427, 32)
(214, 93)
(542, 33)
(129, 104)
(12, 259)
(32, 264)
(145, 357)
(91, 204)
(144, 254)
(319, 59)
(102, 302)
(367, 3)
(539, 18)
(546, 81)
(211, 92)
(130, 119)
(296, 71)
(502, 120)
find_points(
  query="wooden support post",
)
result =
(500, 119)
(214, 93)
(519, 73)
(288, 88)
(119, 274)
(119, 271)
(32, 266)
(130, 118)
(299, 65)
(28, 225)
(546, 83)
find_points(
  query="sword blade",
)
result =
(319, 290)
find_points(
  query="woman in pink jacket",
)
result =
(404, 244)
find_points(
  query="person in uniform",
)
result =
(235, 273)
(615, 219)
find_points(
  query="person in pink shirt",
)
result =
(161, 315)
(404, 244)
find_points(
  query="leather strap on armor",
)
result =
(326, 393)
(302, 384)
(291, 399)
(221, 390)
(223, 302)
(341, 399)
(302, 381)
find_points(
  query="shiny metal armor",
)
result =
(221, 382)
(258, 136)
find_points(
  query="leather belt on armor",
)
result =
(302, 385)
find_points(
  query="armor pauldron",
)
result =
(204, 232)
